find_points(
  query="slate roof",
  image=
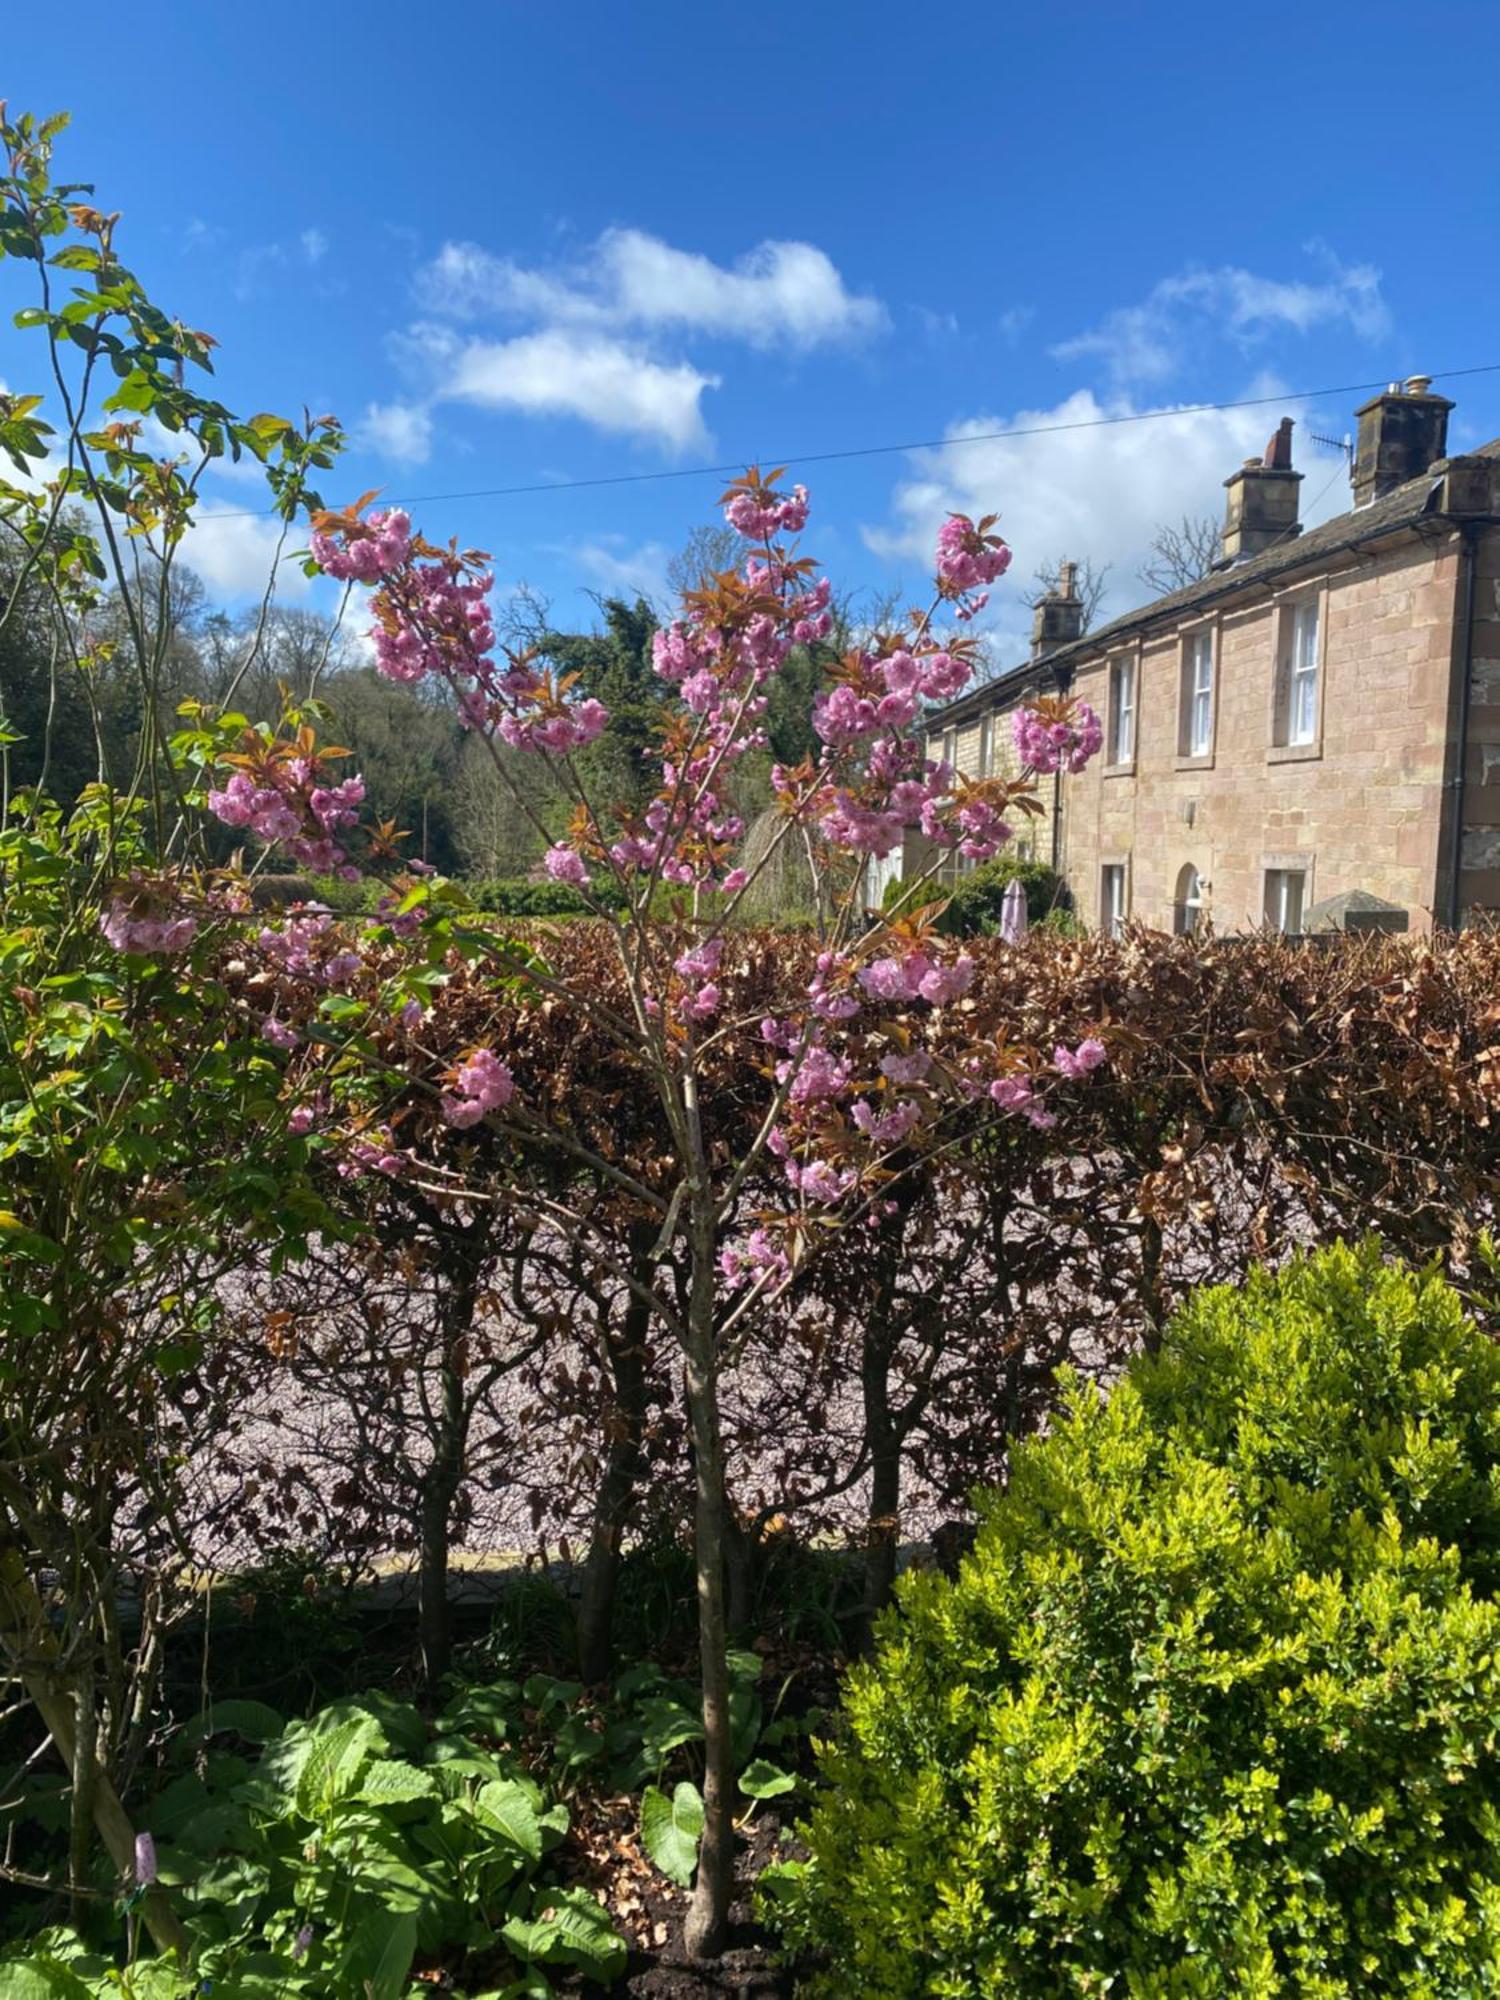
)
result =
(1401, 508)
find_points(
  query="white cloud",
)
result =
(621, 571)
(608, 383)
(788, 293)
(1148, 342)
(1098, 491)
(314, 245)
(234, 553)
(401, 431)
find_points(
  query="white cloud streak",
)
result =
(608, 383)
(1149, 342)
(777, 294)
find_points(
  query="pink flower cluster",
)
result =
(139, 919)
(1079, 1062)
(758, 519)
(915, 976)
(1045, 746)
(1018, 1093)
(967, 559)
(565, 864)
(382, 545)
(482, 1084)
(287, 805)
(759, 1260)
(373, 1152)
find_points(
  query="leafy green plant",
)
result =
(1210, 1709)
(646, 1737)
(358, 1844)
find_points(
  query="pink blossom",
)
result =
(1047, 747)
(1087, 1057)
(964, 560)
(820, 1181)
(483, 1084)
(886, 1128)
(947, 982)
(906, 1069)
(564, 865)
(300, 1120)
(141, 922)
(278, 1034)
(758, 1260)
(819, 1077)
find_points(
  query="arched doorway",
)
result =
(1187, 907)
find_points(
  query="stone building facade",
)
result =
(1320, 714)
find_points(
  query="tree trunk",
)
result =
(22, 1617)
(438, 1492)
(1152, 1302)
(885, 1489)
(616, 1496)
(708, 1913)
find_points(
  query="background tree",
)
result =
(1181, 555)
(1090, 580)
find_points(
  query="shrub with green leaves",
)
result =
(1212, 1708)
(358, 1845)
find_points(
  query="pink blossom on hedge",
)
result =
(906, 1069)
(885, 1128)
(700, 1006)
(1082, 1061)
(827, 995)
(1016, 1093)
(945, 983)
(759, 1259)
(373, 1152)
(820, 1076)
(300, 1120)
(145, 926)
(482, 1084)
(563, 864)
(820, 1181)
(278, 1033)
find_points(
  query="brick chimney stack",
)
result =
(1058, 617)
(1262, 504)
(1402, 433)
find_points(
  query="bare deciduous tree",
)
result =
(1089, 582)
(1181, 555)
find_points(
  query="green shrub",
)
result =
(975, 901)
(356, 1843)
(520, 898)
(1212, 1708)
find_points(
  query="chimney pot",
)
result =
(1402, 434)
(1262, 504)
(1058, 617)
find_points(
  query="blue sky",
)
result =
(517, 244)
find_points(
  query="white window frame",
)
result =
(986, 746)
(1285, 907)
(1199, 675)
(1297, 721)
(1122, 709)
(1114, 896)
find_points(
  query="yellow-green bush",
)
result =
(1212, 1708)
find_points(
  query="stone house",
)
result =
(1318, 715)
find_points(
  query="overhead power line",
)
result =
(800, 458)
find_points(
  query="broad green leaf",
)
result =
(388, 1782)
(508, 1806)
(334, 1764)
(762, 1780)
(253, 1720)
(569, 1929)
(671, 1829)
